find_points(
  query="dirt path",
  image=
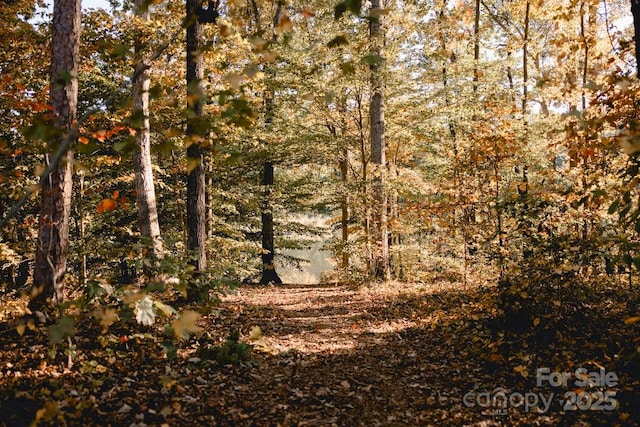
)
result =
(334, 355)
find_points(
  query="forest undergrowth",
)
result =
(334, 355)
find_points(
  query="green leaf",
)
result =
(352, 6)
(170, 350)
(614, 206)
(338, 41)
(372, 59)
(61, 330)
(348, 68)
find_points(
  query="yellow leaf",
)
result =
(235, 80)
(255, 333)
(186, 323)
(192, 164)
(632, 320)
(522, 370)
(20, 328)
(46, 413)
(536, 321)
(107, 317)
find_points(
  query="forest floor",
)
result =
(334, 355)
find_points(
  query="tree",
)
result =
(635, 10)
(269, 273)
(380, 260)
(53, 235)
(145, 190)
(196, 189)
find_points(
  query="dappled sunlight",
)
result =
(333, 319)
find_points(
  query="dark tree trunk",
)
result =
(635, 10)
(269, 274)
(196, 214)
(53, 236)
(344, 207)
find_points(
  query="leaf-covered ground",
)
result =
(404, 355)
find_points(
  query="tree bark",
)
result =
(269, 274)
(145, 190)
(635, 11)
(196, 214)
(53, 235)
(378, 157)
(344, 207)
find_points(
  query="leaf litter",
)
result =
(322, 355)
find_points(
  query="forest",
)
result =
(320, 213)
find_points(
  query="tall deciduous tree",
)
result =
(145, 190)
(53, 236)
(635, 10)
(378, 148)
(269, 273)
(196, 214)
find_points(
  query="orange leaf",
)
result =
(115, 195)
(100, 135)
(285, 25)
(307, 13)
(107, 205)
(83, 140)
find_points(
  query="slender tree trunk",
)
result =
(82, 231)
(525, 69)
(454, 140)
(269, 274)
(196, 215)
(476, 47)
(343, 164)
(344, 207)
(378, 156)
(635, 11)
(145, 190)
(53, 235)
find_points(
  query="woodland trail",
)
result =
(402, 355)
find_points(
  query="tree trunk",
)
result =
(635, 10)
(53, 235)
(378, 157)
(196, 215)
(344, 206)
(269, 274)
(146, 195)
